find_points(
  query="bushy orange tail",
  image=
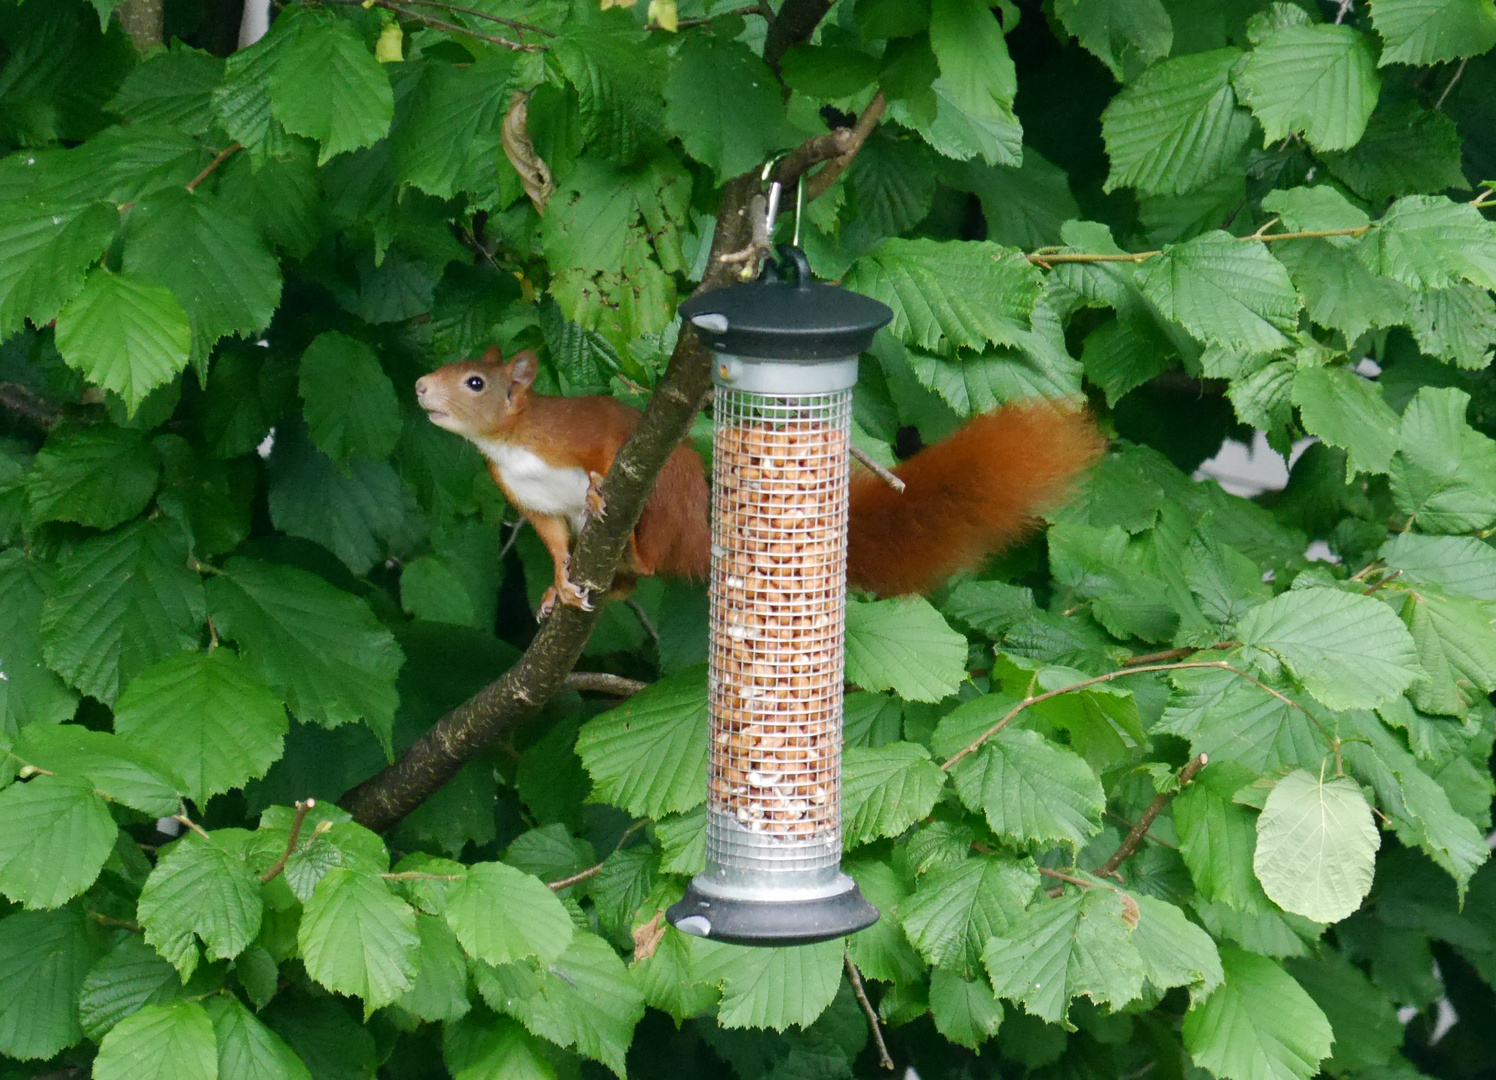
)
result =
(966, 497)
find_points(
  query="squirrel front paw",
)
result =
(596, 505)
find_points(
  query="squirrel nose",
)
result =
(422, 386)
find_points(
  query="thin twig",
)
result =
(292, 839)
(1345, 9)
(876, 1028)
(1450, 86)
(183, 819)
(580, 876)
(1044, 258)
(1060, 875)
(877, 470)
(1135, 835)
(419, 875)
(601, 682)
(223, 155)
(442, 24)
(109, 920)
(1035, 699)
(686, 24)
(822, 181)
(644, 620)
(514, 24)
(1177, 654)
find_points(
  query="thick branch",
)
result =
(796, 21)
(27, 407)
(144, 21)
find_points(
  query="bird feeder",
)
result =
(785, 361)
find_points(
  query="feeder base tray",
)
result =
(771, 922)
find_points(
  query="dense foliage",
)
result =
(239, 570)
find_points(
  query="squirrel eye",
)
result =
(474, 383)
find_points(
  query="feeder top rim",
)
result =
(794, 319)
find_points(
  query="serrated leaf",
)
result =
(1458, 325)
(958, 907)
(1339, 290)
(1459, 564)
(1428, 242)
(1432, 31)
(206, 715)
(131, 975)
(1367, 1031)
(886, 790)
(124, 335)
(882, 951)
(1316, 846)
(450, 138)
(160, 1042)
(487, 1047)
(722, 102)
(965, 1011)
(501, 915)
(1177, 127)
(1032, 792)
(359, 938)
(48, 249)
(350, 403)
(327, 86)
(1225, 292)
(247, 1049)
(318, 647)
(1079, 944)
(96, 476)
(1174, 951)
(904, 645)
(584, 1000)
(1348, 411)
(1406, 150)
(775, 988)
(968, 44)
(117, 771)
(1257, 1025)
(949, 295)
(618, 84)
(648, 756)
(173, 87)
(1217, 836)
(30, 693)
(1125, 35)
(1444, 476)
(44, 958)
(440, 990)
(201, 890)
(1320, 80)
(124, 601)
(1456, 644)
(1228, 718)
(55, 834)
(1349, 651)
(242, 104)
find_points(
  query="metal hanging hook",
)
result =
(799, 207)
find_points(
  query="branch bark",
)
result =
(144, 21)
(27, 407)
(1135, 835)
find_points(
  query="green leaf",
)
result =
(974, 63)
(774, 988)
(132, 975)
(1025, 206)
(1349, 651)
(208, 716)
(1125, 35)
(1229, 718)
(1174, 951)
(1225, 291)
(1318, 80)
(201, 890)
(827, 71)
(160, 1042)
(949, 295)
(1456, 649)
(1444, 477)
(648, 756)
(1338, 289)
(965, 1011)
(242, 104)
(501, 915)
(316, 646)
(1217, 836)
(1348, 411)
(904, 645)
(173, 87)
(30, 693)
(886, 790)
(1459, 564)
(124, 335)
(450, 138)
(1079, 944)
(1367, 1031)
(351, 406)
(1316, 846)
(247, 1049)
(440, 990)
(882, 951)
(1433, 31)
(48, 249)
(1406, 150)
(55, 834)
(96, 476)
(486, 1047)
(958, 907)
(1429, 242)
(722, 102)
(359, 938)
(328, 86)
(1099, 565)
(44, 958)
(1257, 1025)
(1177, 127)
(117, 771)
(618, 83)
(584, 1000)
(1458, 325)
(1032, 792)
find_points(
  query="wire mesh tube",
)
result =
(778, 596)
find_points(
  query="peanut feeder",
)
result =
(785, 355)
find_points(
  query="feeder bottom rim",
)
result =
(768, 890)
(771, 923)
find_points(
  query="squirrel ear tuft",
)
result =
(523, 367)
(493, 355)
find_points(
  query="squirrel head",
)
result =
(478, 397)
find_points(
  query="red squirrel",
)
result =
(965, 497)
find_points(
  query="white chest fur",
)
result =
(538, 487)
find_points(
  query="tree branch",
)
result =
(796, 21)
(855, 977)
(1046, 257)
(292, 839)
(37, 412)
(1135, 835)
(600, 682)
(144, 21)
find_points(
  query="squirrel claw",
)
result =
(563, 592)
(596, 505)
